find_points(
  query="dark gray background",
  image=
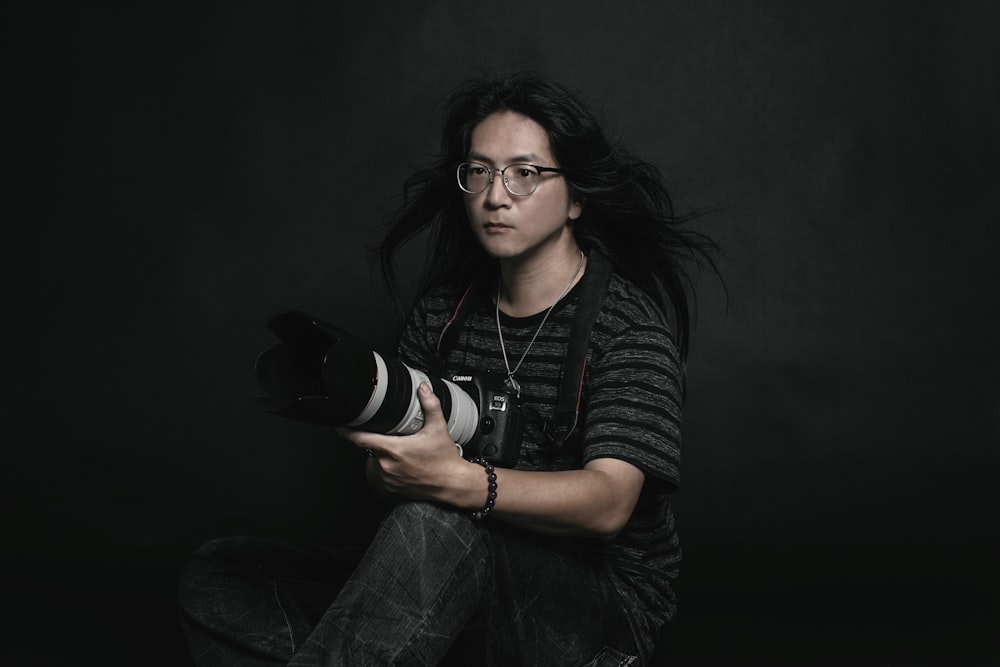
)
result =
(183, 174)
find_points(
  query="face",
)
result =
(511, 227)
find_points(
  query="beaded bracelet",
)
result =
(491, 488)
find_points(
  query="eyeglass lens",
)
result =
(520, 179)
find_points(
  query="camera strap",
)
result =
(593, 288)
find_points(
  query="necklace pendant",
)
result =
(513, 385)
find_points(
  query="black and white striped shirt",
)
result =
(631, 410)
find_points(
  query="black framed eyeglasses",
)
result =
(520, 179)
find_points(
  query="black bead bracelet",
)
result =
(491, 495)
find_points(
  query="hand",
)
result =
(423, 466)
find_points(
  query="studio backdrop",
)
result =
(183, 175)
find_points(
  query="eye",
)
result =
(525, 172)
(477, 170)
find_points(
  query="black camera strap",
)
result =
(593, 288)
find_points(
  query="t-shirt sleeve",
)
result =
(634, 407)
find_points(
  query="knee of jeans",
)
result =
(428, 517)
(420, 510)
(215, 557)
(220, 552)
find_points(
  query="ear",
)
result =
(575, 209)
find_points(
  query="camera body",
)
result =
(320, 374)
(498, 435)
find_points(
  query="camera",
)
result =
(322, 375)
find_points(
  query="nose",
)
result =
(496, 192)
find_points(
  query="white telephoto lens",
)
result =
(464, 416)
(413, 417)
(462, 422)
(378, 392)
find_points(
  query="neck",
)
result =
(531, 287)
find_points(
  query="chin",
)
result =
(499, 249)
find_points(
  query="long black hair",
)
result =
(628, 215)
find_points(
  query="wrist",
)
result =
(491, 489)
(469, 490)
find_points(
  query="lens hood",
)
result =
(303, 376)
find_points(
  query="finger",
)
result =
(344, 432)
(371, 442)
(434, 421)
(431, 405)
(351, 435)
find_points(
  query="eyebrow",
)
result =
(517, 159)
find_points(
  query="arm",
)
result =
(595, 501)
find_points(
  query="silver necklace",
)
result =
(510, 382)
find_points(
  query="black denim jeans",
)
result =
(434, 587)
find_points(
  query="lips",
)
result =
(496, 225)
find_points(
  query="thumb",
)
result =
(429, 402)
(434, 421)
(431, 405)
